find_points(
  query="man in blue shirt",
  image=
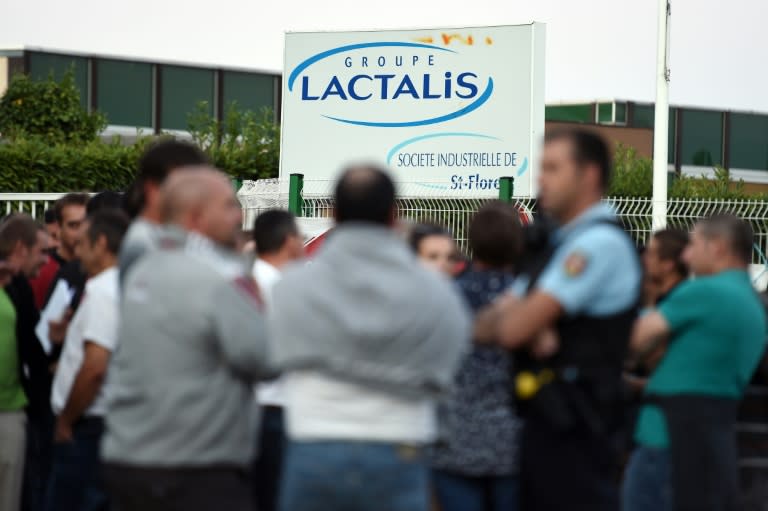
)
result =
(586, 289)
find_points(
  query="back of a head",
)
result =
(17, 228)
(158, 161)
(271, 229)
(589, 148)
(104, 200)
(188, 191)
(70, 199)
(365, 193)
(496, 235)
(736, 232)
(112, 224)
(671, 244)
(162, 157)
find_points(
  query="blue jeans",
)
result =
(463, 493)
(75, 483)
(647, 481)
(353, 476)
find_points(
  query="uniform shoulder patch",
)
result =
(575, 264)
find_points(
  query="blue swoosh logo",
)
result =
(424, 122)
(523, 167)
(341, 49)
(413, 140)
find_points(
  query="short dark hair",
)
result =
(365, 193)
(496, 235)
(737, 232)
(420, 232)
(588, 148)
(70, 199)
(49, 217)
(110, 223)
(157, 162)
(672, 243)
(104, 200)
(16, 228)
(272, 228)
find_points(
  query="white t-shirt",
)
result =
(95, 321)
(319, 407)
(266, 276)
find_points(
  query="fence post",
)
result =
(237, 183)
(506, 189)
(295, 190)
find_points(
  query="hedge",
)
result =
(32, 166)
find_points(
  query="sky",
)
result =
(595, 49)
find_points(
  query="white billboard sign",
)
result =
(449, 111)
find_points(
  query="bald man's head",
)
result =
(365, 193)
(201, 199)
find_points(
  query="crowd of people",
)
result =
(154, 358)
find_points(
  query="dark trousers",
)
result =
(37, 465)
(178, 489)
(703, 451)
(464, 493)
(268, 465)
(561, 470)
(75, 483)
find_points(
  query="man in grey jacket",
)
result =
(191, 344)
(368, 340)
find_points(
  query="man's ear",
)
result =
(102, 243)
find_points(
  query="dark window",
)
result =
(43, 65)
(569, 113)
(643, 116)
(250, 91)
(605, 112)
(124, 92)
(15, 66)
(749, 141)
(702, 138)
(182, 88)
(621, 113)
(671, 146)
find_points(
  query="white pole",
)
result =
(661, 124)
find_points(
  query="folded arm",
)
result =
(649, 332)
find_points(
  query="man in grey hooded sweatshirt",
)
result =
(368, 340)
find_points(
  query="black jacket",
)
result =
(73, 274)
(34, 364)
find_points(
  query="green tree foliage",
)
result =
(633, 177)
(47, 109)
(632, 174)
(245, 144)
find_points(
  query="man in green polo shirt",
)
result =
(716, 326)
(21, 251)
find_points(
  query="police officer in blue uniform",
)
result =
(572, 309)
